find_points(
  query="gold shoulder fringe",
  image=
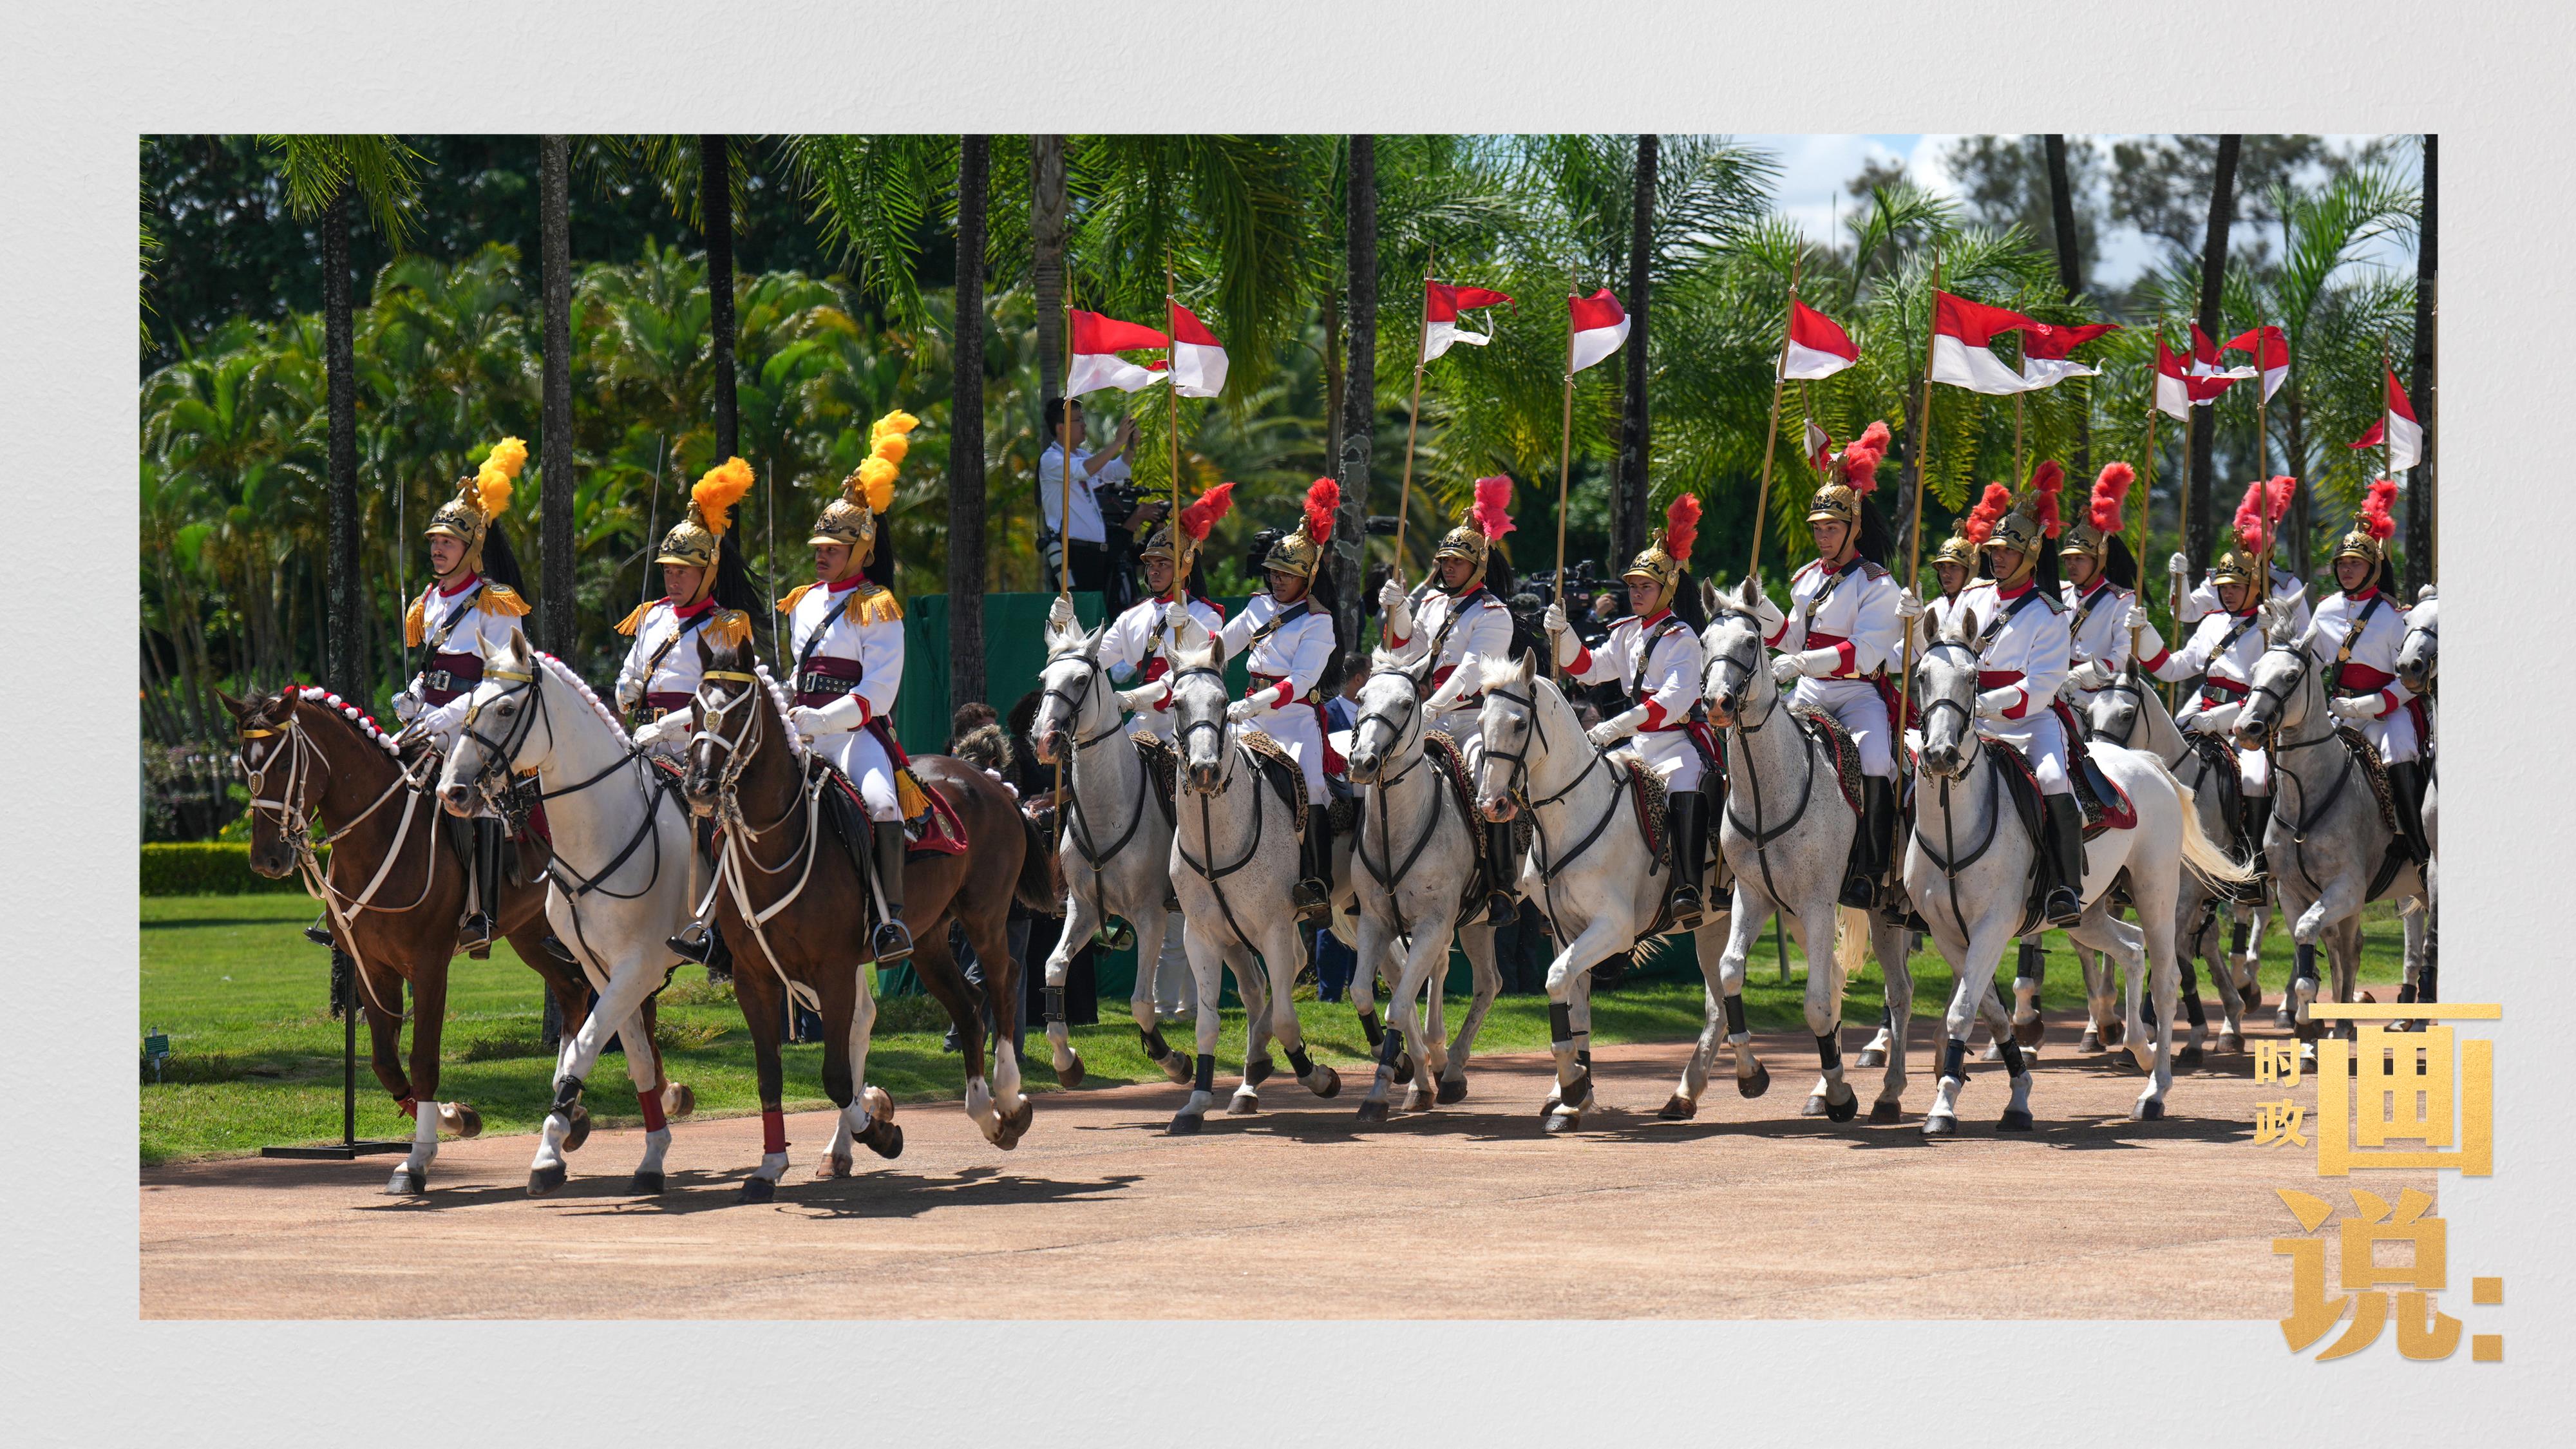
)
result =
(728, 629)
(635, 621)
(501, 599)
(870, 604)
(787, 605)
(414, 627)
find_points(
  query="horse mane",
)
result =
(1074, 640)
(1962, 628)
(1191, 645)
(779, 696)
(2280, 625)
(366, 723)
(1515, 670)
(563, 674)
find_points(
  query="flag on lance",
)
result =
(1098, 340)
(2205, 361)
(2048, 352)
(1600, 328)
(1820, 449)
(2398, 429)
(2271, 349)
(1963, 334)
(1198, 359)
(1441, 304)
(1818, 347)
(2179, 389)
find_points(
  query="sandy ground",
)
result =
(1749, 1211)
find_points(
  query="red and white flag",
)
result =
(1600, 328)
(2271, 349)
(1820, 449)
(1441, 304)
(1098, 340)
(1198, 359)
(2047, 352)
(1963, 334)
(2205, 361)
(2398, 429)
(1818, 347)
(2179, 389)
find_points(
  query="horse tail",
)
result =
(1035, 887)
(2198, 851)
(1851, 941)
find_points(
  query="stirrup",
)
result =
(477, 937)
(1500, 908)
(1114, 934)
(319, 933)
(1312, 900)
(892, 943)
(2062, 908)
(693, 943)
(1860, 891)
(1685, 906)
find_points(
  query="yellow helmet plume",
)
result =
(497, 479)
(718, 490)
(888, 441)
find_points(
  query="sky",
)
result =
(1815, 172)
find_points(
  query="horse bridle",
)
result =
(2311, 810)
(1393, 876)
(1519, 761)
(1085, 839)
(1188, 729)
(740, 833)
(1208, 870)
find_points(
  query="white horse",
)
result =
(620, 871)
(1415, 860)
(1968, 864)
(2128, 712)
(2418, 661)
(1591, 873)
(1234, 860)
(2326, 839)
(1116, 845)
(1788, 835)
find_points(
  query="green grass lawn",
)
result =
(255, 1053)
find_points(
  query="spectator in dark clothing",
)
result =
(1334, 963)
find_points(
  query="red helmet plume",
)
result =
(1204, 511)
(1862, 455)
(2283, 489)
(2249, 517)
(1989, 511)
(1681, 527)
(2049, 480)
(2110, 495)
(1321, 500)
(1491, 510)
(2374, 510)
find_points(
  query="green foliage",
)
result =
(209, 867)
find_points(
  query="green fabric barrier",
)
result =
(1014, 653)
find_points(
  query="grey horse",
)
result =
(2416, 668)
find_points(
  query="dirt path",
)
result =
(1748, 1212)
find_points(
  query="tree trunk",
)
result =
(966, 432)
(1359, 400)
(2197, 523)
(1046, 262)
(556, 626)
(2420, 390)
(715, 205)
(1628, 523)
(1333, 381)
(339, 360)
(2298, 535)
(2070, 275)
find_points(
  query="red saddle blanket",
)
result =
(937, 830)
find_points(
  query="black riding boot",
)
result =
(2062, 860)
(1503, 873)
(1313, 897)
(1868, 861)
(484, 923)
(2406, 785)
(893, 942)
(1686, 815)
(2253, 813)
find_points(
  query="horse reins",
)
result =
(1207, 869)
(738, 827)
(1761, 837)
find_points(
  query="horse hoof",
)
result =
(1679, 1108)
(646, 1184)
(1870, 1057)
(1243, 1104)
(757, 1189)
(2150, 1111)
(1329, 1082)
(2231, 1043)
(1813, 1107)
(408, 1181)
(2187, 1057)
(1402, 1072)
(1452, 1089)
(461, 1119)
(1844, 1110)
(2090, 1041)
(2015, 1120)
(1883, 1113)
(1177, 1066)
(579, 1132)
(2030, 1033)
(832, 1167)
(1994, 1052)
(884, 1138)
(1755, 1085)
(1938, 1126)
(1187, 1124)
(2111, 1036)
(544, 1180)
(1373, 1110)
(1260, 1069)
(1069, 1075)
(679, 1099)
(1560, 1123)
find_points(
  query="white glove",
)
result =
(1769, 613)
(2178, 566)
(1060, 614)
(630, 693)
(2356, 706)
(1241, 710)
(1460, 680)
(1397, 605)
(808, 721)
(1553, 620)
(1616, 728)
(1142, 697)
(1907, 605)
(841, 716)
(2136, 618)
(1785, 671)
(406, 706)
(2219, 722)
(438, 720)
(2092, 674)
(669, 729)
(1993, 703)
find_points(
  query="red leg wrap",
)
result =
(408, 1106)
(651, 1102)
(773, 1131)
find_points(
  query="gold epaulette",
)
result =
(787, 605)
(870, 604)
(500, 599)
(728, 629)
(635, 621)
(414, 626)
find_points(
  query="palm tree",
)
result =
(715, 206)
(1047, 218)
(2070, 273)
(2197, 523)
(1628, 530)
(1359, 385)
(555, 457)
(966, 432)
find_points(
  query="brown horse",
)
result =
(794, 908)
(397, 890)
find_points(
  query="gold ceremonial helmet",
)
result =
(1664, 559)
(2235, 566)
(468, 516)
(2372, 527)
(1184, 533)
(2034, 517)
(693, 541)
(1482, 522)
(1302, 552)
(1854, 477)
(867, 493)
(1956, 550)
(2084, 539)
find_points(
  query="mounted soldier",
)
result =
(1133, 644)
(1454, 620)
(461, 619)
(1655, 656)
(1290, 633)
(2260, 498)
(2023, 648)
(2221, 653)
(2100, 590)
(1954, 563)
(1842, 631)
(2356, 637)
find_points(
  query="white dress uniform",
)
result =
(847, 642)
(1134, 644)
(1657, 661)
(1850, 611)
(2096, 620)
(661, 672)
(462, 626)
(1291, 644)
(2364, 632)
(2025, 647)
(2223, 649)
(2286, 586)
(1457, 633)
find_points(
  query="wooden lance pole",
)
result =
(1770, 445)
(1172, 389)
(1914, 551)
(1564, 460)
(2146, 495)
(1413, 422)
